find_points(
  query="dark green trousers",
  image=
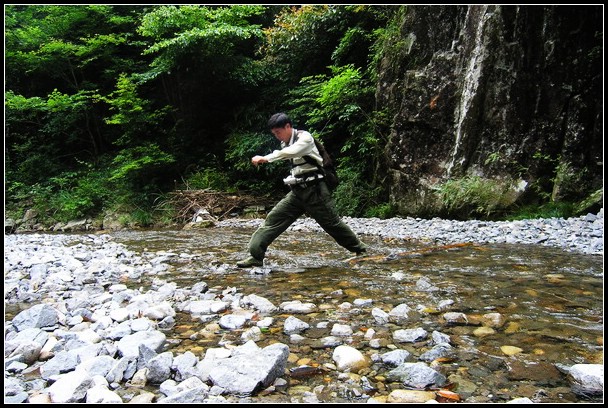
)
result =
(316, 202)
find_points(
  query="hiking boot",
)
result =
(249, 262)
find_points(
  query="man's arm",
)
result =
(302, 147)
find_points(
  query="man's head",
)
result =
(280, 126)
(278, 120)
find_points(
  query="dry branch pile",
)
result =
(218, 204)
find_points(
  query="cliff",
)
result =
(507, 100)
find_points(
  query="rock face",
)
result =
(511, 94)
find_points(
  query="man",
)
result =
(309, 194)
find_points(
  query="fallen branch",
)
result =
(187, 203)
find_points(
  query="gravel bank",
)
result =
(583, 234)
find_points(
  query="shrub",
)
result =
(472, 196)
(210, 178)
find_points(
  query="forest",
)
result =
(114, 108)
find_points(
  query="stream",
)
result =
(551, 302)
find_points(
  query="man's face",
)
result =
(282, 133)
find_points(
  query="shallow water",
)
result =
(551, 300)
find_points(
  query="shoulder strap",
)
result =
(309, 159)
(312, 161)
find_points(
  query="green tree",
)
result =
(67, 55)
(306, 40)
(132, 114)
(129, 99)
(60, 62)
(203, 60)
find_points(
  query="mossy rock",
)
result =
(591, 204)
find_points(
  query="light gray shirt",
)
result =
(300, 144)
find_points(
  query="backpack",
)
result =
(328, 170)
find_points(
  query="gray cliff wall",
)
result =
(511, 94)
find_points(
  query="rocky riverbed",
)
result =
(76, 330)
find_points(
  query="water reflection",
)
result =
(551, 300)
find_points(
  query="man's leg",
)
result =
(320, 206)
(277, 221)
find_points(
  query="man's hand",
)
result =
(258, 160)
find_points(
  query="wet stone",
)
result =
(542, 373)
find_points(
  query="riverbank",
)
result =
(583, 234)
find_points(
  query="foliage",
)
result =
(186, 34)
(337, 96)
(390, 41)
(148, 94)
(109, 106)
(132, 113)
(44, 132)
(208, 178)
(567, 178)
(74, 195)
(546, 210)
(305, 40)
(382, 211)
(241, 147)
(204, 63)
(140, 218)
(59, 62)
(163, 210)
(472, 196)
(354, 195)
(302, 38)
(65, 47)
(136, 162)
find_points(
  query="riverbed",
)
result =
(549, 301)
